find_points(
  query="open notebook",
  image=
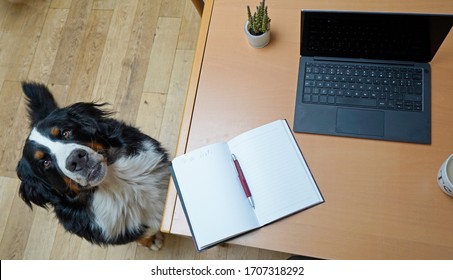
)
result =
(211, 193)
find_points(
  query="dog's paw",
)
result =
(154, 242)
(158, 242)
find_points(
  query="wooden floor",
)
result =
(134, 54)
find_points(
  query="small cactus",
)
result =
(259, 22)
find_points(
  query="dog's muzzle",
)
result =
(87, 168)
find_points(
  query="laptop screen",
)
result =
(386, 36)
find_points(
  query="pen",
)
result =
(244, 184)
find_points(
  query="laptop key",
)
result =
(382, 103)
(417, 106)
(309, 76)
(315, 98)
(356, 101)
(417, 76)
(412, 97)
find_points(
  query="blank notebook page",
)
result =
(212, 194)
(282, 187)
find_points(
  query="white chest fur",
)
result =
(133, 194)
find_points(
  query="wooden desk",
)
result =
(382, 199)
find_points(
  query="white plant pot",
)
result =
(259, 41)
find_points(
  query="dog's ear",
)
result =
(39, 100)
(33, 189)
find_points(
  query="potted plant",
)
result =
(258, 26)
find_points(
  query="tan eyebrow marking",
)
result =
(39, 155)
(54, 131)
(96, 146)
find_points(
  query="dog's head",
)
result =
(65, 152)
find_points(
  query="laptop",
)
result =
(366, 74)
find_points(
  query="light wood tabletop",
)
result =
(382, 200)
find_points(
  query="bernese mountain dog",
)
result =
(105, 180)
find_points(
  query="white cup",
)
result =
(445, 176)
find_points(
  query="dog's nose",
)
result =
(77, 160)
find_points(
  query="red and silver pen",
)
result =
(244, 184)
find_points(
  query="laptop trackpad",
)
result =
(360, 122)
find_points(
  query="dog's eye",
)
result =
(46, 163)
(66, 133)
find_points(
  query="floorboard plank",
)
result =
(150, 113)
(23, 25)
(174, 104)
(17, 133)
(162, 55)
(70, 45)
(109, 73)
(136, 60)
(87, 65)
(11, 96)
(17, 230)
(42, 235)
(8, 189)
(46, 51)
(66, 245)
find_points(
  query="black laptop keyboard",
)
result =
(364, 86)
